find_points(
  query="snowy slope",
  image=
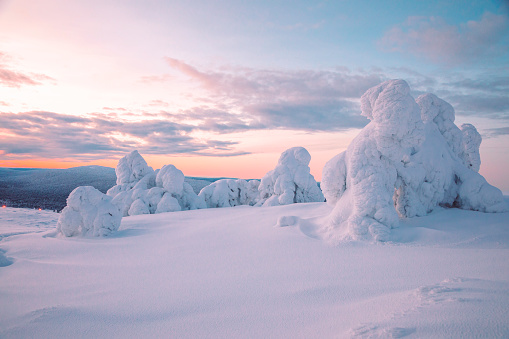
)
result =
(231, 272)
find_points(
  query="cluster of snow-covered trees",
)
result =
(408, 160)
(141, 190)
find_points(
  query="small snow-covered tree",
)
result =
(88, 212)
(230, 192)
(290, 182)
(409, 159)
(141, 190)
(471, 143)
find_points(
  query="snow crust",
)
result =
(147, 191)
(290, 182)
(88, 212)
(230, 193)
(408, 160)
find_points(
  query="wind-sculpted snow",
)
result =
(149, 191)
(290, 182)
(230, 193)
(408, 160)
(88, 212)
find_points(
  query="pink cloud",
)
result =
(14, 78)
(438, 41)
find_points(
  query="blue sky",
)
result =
(223, 87)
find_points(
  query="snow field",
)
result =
(234, 272)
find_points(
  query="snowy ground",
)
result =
(232, 272)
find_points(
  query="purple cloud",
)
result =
(54, 135)
(439, 41)
(300, 99)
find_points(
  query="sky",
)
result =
(222, 88)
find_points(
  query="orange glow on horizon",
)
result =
(54, 163)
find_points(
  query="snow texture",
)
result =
(230, 193)
(88, 212)
(408, 160)
(290, 182)
(141, 190)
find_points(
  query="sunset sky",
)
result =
(221, 88)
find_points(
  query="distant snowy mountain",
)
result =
(49, 188)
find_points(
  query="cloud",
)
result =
(150, 79)
(481, 105)
(13, 78)
(489, 83)
(435, 39)
(482, 94)
(53, 135)
(284, 99)
(494, 132)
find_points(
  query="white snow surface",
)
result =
(410, 159)
(230, 193)
(236, 273)
(290, 182)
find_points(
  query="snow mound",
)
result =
(287, 220)
(147, 191)
(230, 193)
(88, 212)
(290, 182)
(408, 160)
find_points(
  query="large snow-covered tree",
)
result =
(409, 159)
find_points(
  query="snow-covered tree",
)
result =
(88, 212)
(471, 143)
(290, 182)
(141, 190)
(409, 159)
(230, 192)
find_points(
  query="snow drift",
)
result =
(408, 160)
(230, 193)
(290, 182)
(141, 190)
(88, 212)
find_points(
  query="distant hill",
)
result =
(49, 188)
